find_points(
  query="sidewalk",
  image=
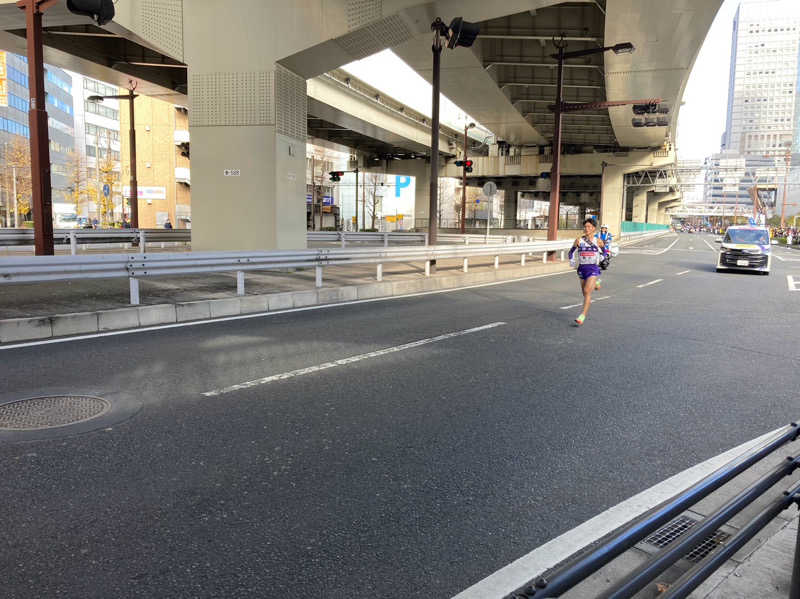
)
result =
(762, 569)
(38, 311)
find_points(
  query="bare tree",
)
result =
(374, 181)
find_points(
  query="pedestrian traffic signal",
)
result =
(336, 175)
(101, 11)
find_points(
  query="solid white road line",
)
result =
(519, 572)
(274, 313)
(350, 360)
(650, 283)
(710, 246)
(782, 259)
(597, 299)
(683, 272)
(691, 247)
(793, 285)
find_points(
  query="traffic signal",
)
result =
(101, 11)
(459, 163)
(468, 166)
(461, 33)
(336, 175)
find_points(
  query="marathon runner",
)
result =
(589, 253)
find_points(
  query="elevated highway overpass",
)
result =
(246, 73)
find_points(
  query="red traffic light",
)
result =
(468, 163)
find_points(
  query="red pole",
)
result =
(555, 173)
(41, 192)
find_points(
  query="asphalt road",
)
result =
(410, 473)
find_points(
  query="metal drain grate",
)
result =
(707, 546)
(678, 527)
(49, 412)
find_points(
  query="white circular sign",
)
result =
(490, 188)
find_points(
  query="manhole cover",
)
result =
(48, 412)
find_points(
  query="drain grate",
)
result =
(678, 527)
(48, 412)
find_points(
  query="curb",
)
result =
(133, 317)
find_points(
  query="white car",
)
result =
(745, 248)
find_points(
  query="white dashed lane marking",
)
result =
(597, 299)
(348, 360)
(793, 282)
(650, 283)
(683, 272)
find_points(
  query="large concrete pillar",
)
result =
(670, 201)
(510, 207)
(248, 129)
(611, 204)
(652, 207)
(639, 205)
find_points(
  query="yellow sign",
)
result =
(3, 80)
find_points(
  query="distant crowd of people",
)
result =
(791, 234)
(124, 224)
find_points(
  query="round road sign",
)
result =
(490, 188)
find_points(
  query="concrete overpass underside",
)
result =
(246, 73)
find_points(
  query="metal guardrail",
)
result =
(75, 237)
(385, 238)
(557, 582)
(27, 269)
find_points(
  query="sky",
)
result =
(701, 121)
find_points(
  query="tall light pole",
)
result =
(130, 96)
(458, 33)
(555, 173)
(464, 181)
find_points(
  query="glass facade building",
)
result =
(60, 113)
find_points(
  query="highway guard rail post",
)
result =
(28, 269)
(31, 269)
(559, 581)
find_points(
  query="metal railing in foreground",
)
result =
(32, 269)
(557, 582)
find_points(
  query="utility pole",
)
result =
(41, 191)
(788, 159)
(356, 197)
(555, 172)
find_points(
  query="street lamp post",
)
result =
(130, 96)
(458, 33)
(555, 173)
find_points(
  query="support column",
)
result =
(510, 195)
(640, 205)
(248, 129)
(652, 207)
(611, 204)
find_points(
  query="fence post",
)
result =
(544, 257)
(379, 274)
(318, 277)
(426, 239)
(465, 265)
(562, 255)
(427, 267)
(134, 287)
(386, 239)
(239, 282)
(522, 260)
(343, 235)
(466, 240)
(73, 243)
(496, 262)
(142, 240)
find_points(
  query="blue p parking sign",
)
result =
(106, 190)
